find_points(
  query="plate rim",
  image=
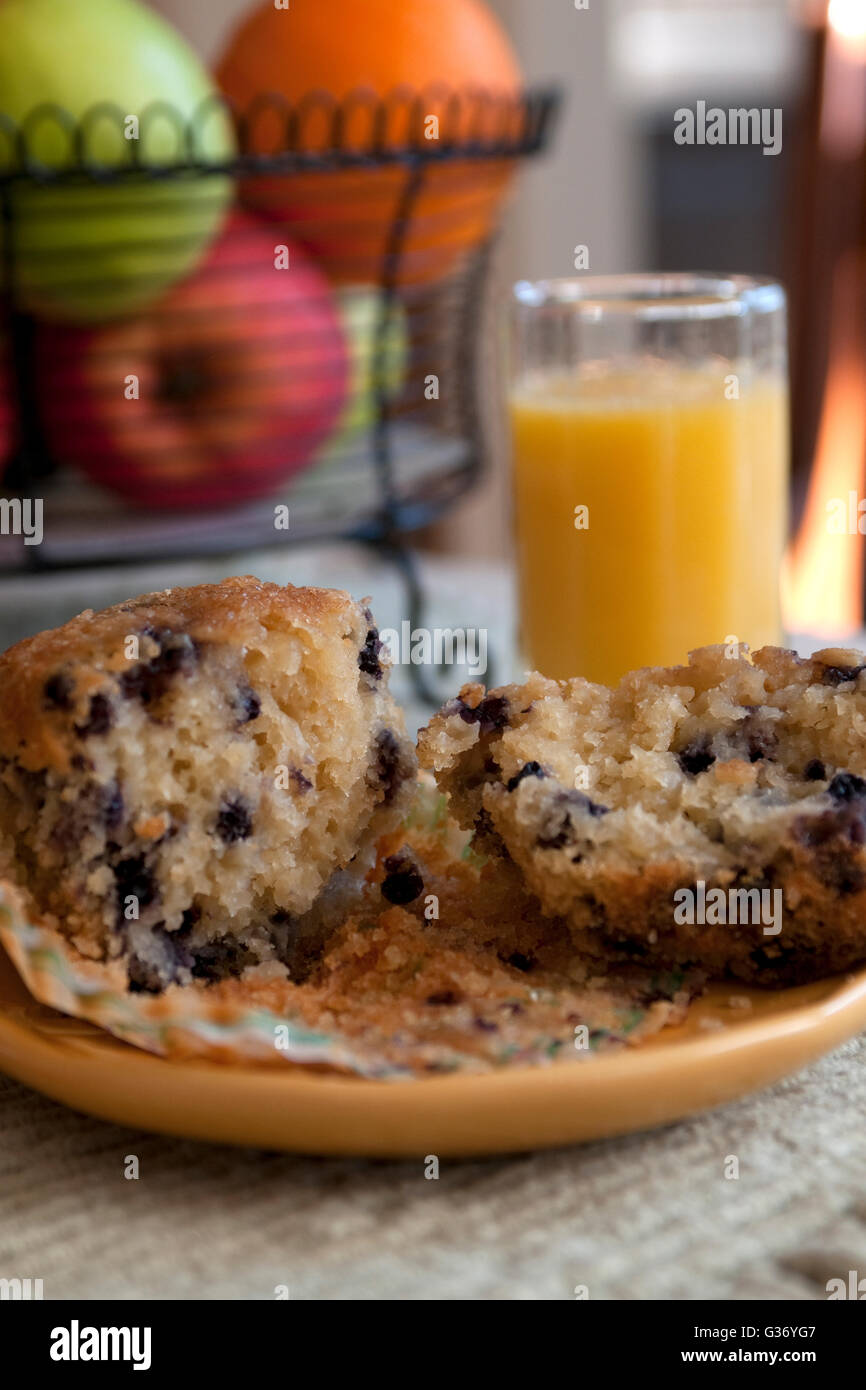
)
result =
(541, 1099)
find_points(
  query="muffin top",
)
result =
(53, 685)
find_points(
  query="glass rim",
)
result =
(654, 296)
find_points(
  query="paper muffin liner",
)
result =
(182, 1022)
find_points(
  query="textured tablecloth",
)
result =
(648, 1216)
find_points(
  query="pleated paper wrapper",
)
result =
(182, 1022)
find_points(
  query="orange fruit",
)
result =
(314, 75)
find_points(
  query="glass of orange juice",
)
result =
(650, 434)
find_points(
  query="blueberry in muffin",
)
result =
(732, 781)
(182, 775)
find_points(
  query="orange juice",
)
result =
(681, 539)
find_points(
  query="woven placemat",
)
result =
(648, 1216)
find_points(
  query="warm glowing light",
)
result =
(822, 580)
(848, 19)
(823, 574)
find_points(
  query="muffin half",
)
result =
(711, 814)
(182, 775)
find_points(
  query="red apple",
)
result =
(219, 393)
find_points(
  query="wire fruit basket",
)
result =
(209, 354)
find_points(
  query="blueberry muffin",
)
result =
(182, 775)
(712, 814)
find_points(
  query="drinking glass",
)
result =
(650, 435)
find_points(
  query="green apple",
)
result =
(360, 309)
(85, 251)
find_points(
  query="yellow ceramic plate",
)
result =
(685, 1069)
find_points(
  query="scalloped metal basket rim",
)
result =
(535, 105)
